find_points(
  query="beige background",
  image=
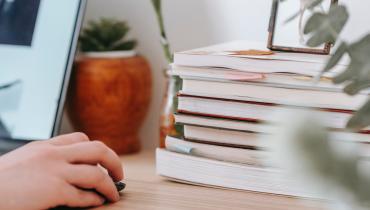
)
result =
(197, 23)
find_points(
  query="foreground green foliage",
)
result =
(341, 174)
(334, 171)
(326, 27)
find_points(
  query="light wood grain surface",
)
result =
(145, 190)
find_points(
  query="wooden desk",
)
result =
(146, 190)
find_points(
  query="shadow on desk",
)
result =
(147, 191)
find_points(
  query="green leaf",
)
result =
(156, 4)
(325, 28)
(127, 45)
(348, 74)
(314, 22)
(291, 18)
(314, 140)
(314, 4)
(337, 56)
(90, 44)
(361, 118)
(356, 76)
(356, 86)
(360, 50)
(311, 6)
(358, 71)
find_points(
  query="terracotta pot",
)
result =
(109, 99)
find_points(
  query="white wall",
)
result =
(197, 23)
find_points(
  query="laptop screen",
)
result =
(36, 46)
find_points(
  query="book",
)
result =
(255, 112)
(222, 123)
(230, 107)
(287, 80)
(248, 139)
(222, 153)
(231, 56)
(207, 172)
(278, 95)
(223, 137)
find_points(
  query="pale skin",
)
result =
(64, 171)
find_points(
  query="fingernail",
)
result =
(102, 200)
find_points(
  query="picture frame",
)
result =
(281, 42)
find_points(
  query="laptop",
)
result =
(38, 40)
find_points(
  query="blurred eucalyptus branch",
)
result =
(309, 148)
(325, 27)
(332, 168)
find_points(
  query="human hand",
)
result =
(64, 171)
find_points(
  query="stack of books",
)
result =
(227, 103)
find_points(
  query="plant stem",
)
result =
(164, 40)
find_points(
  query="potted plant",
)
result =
(111, 85)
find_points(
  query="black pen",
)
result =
(120, 186)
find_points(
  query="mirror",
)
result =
(286, 34)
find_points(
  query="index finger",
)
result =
(69, 139)
(94, 153)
